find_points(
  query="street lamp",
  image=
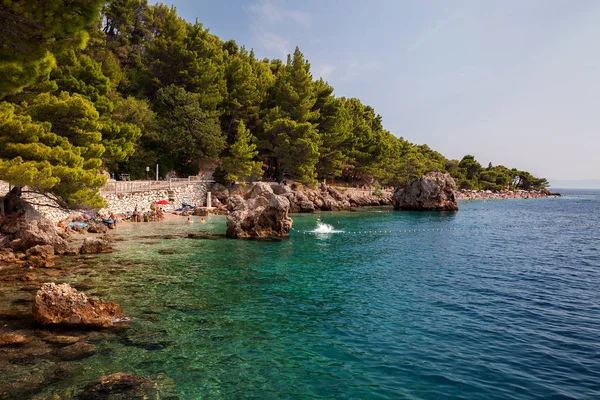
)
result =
(147, 170)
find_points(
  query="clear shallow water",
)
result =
(510, 311)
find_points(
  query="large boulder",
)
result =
(27, 228)
(434, 191)
(261, 214)
(62, 305)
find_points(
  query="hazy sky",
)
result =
(511, 82)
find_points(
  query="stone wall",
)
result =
(53, 213)
(194, 193)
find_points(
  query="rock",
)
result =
(434, 191)
(63, 305)
(41, 251)
(60, 339)
(12, 339)
(201, 212)
(27, 228)
(95, 246)
(261, 214)
(29, 277)
(7, 255)
(43, 232)
(16, 244)
(39, 262)
(108, 238)
(77, 351)
(97, 227)
(218, 211)
(40, 256)
(121, 386)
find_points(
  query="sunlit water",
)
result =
(498, 301)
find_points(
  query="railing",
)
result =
(116, 187)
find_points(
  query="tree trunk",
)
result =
(12, 201)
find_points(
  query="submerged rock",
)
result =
(12, 339)
(121, 386)
(63, 305)
(434, 191)
(262, 214)
(60, 339)
(95, 246)
(76, 351)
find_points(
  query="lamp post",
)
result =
(147, 170)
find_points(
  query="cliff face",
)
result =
(306, 200)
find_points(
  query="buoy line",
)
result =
(473, 228)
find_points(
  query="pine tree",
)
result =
(241, 164)
(32, 30)
(53, 147)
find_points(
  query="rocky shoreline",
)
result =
(505, 194)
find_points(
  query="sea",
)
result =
(500, 300)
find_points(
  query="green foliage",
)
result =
(151, 88)
(469, 174)
(296, 148)
(39, 149)
(241, 164)
(32, 30)
(186, 133)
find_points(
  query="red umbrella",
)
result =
(162, 202)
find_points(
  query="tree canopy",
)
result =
(91, 86)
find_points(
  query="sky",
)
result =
(515, 83)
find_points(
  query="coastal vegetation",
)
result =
(119, 85)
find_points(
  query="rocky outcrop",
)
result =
(260, 214)
(328, 198)
(434, 191)
(305, 200)
(25, 227)
(95, 246)
(121, 386)
(63, 305)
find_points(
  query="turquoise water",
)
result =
(498, 301)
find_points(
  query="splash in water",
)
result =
(322, 227)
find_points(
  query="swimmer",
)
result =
(189, 221)
(202, 221)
